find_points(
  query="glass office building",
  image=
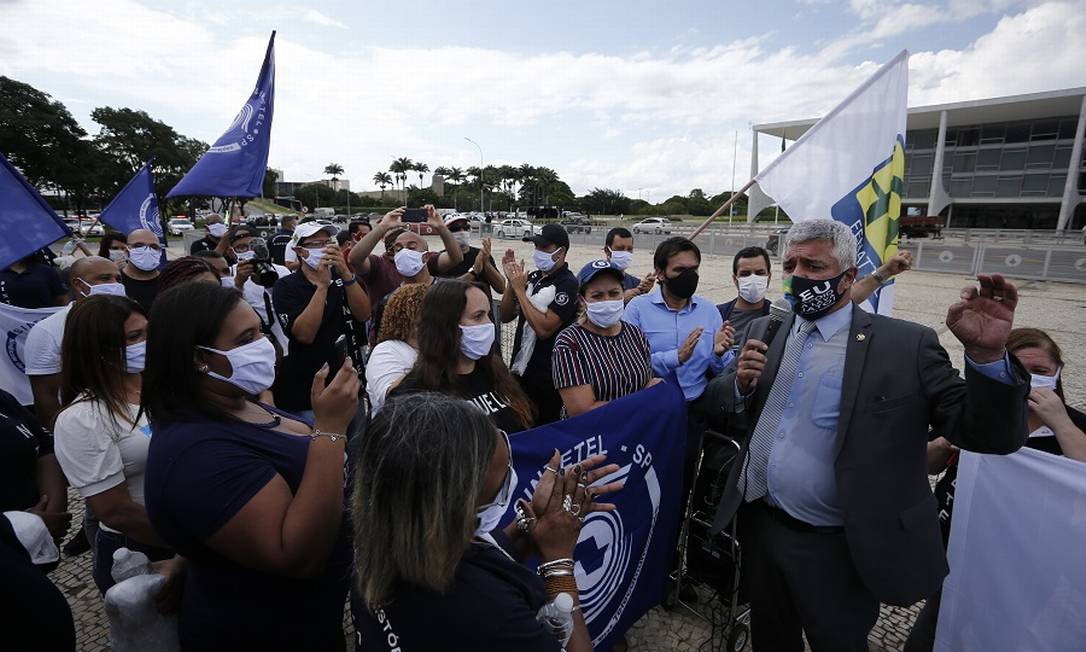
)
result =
(1005, 162)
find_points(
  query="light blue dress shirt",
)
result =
(666, 329)
(801, 476)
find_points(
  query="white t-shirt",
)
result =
(389, 362)
(253, 293)
(97, 454)
(42, 349)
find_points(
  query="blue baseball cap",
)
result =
(594, 268)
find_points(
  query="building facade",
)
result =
(1013, 162)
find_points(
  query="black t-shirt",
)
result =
(465, 265)
(38, 286)
(22, 441)
(477, 389)
(277, 245)
(291, 295)
(492, 605)
(205, 243)
(944, 489)
(140, 291)
(564, 305)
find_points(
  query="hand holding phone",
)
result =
(418, 215)
(339, 356)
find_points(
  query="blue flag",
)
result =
(623, 557)
(27, 223)
(236, 163)
(136, 207)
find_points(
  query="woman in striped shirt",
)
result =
(600, 358)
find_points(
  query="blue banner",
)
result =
(623, 557)
(236, 163)
(136, 207)
(27, 223)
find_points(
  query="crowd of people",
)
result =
(285, 424)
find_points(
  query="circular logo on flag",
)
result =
(149, 215)
(11, 345)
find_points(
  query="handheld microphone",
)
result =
(767, 330)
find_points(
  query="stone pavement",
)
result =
(1058, 308)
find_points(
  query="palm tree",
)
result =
(421, 168)
(545, 177)
(455, 175)
(334, 169)
(400, 167)
(382, 179)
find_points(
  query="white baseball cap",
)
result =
(455, 217)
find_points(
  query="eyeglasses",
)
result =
(154, 246)
(317, 245)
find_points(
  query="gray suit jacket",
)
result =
(898, 381)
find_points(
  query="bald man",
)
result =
(87, 276)
(140, 275)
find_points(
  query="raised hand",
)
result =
(983, 318)
(687, 348)
(433, 220)
(518, 278)
(646, 283)
(900, 262)
(509, 257)
(392, 218)
(723, 339)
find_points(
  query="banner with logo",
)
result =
(15, 323)
(851, 166)
(235, 165)
(623, 557)
(136, 207)
(27, 223)
(1017, 580)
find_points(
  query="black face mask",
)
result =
(684, 285)
(814, 299)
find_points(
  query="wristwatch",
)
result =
(879, 277)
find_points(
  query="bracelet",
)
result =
(879, 277)
(333, 436)
(545, 566)
(557, 572)
(351, 281)
(562, 585)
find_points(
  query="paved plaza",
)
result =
(923, 297)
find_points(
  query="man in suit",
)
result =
(836, 512)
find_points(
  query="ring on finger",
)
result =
(567, 502)
(548, 468)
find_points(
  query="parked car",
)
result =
(774, 242)
(72, 224)
(921, 226)
(178, 225)
(90, 228)
(514, 229)
(576, 223)
(655, 225)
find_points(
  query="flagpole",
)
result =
(720, 211)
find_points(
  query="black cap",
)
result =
(550, 234)
(245, 231)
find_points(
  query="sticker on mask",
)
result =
(817, 299)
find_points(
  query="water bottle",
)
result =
(557, 616)
(69, 247)
(135, 623)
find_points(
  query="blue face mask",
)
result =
(135, 355)
(544, 261)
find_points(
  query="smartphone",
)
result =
(339, 356)
(414, 215)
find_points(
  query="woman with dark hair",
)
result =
(114, 246)
(249, 495)
(101, 438)
(434, 477)
(600, 358)
(185, 269)
(456, 341)
(1054, 427)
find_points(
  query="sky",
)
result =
(652, 98)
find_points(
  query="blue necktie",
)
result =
(753, 477)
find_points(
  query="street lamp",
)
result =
(480, 172)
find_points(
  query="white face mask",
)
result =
(117, 255)
(490, 515)
(752, 288)
(217, 230)
(253, 366)
(476, 341)
(1044, 382)
(245, 255)
(144, 258)
(408, 262)
(544, 262)
(462, 237)
(621, 259)
(606, 314)
(115, 289)
(135, 355)
(314, 258)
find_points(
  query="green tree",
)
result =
(606, 201)
(334, 170)
(270, 177)
(314, 195)
(399, 168)
(422, 169)
(382, 179)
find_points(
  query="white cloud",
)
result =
(654, 120)
(317, 18)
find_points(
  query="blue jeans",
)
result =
(110, 542)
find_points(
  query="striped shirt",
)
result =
(613, 365)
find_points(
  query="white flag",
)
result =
(1017, 580)
(15, 323)
(850, 166)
